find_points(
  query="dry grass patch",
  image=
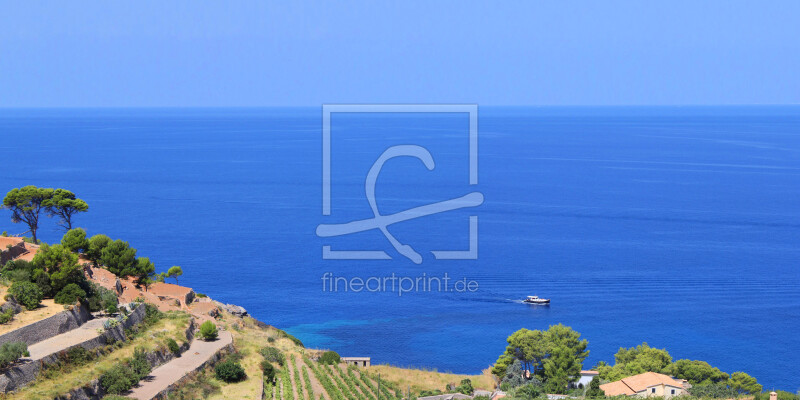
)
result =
(249, 338)
(47, 309)
(419, 379)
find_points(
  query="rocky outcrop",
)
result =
(48, 327)
(238, 311)
(11, 304)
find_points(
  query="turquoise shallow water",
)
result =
(675, 226)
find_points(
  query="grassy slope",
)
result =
(249, 338)
(419, 379)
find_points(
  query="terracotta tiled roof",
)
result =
(637, 383)
(616, 389)
(589, 372)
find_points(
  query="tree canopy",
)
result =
(556, 355)
(60, 264)
(26, 204)
(96, 245)
(145, 269)
(635, 360)
(119, 258)
(525, 345)
(75, 240)
(696, 372)
(560, 369)
(174, 272)
(744, 383)
(64, 205)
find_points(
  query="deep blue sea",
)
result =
(679, 227)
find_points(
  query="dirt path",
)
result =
(170, 372)
(293, 380)
(85, 332)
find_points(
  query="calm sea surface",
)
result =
(675, 226)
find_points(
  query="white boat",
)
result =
(536, 300)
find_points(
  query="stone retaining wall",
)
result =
(25, 372)
(48, 327)
(12, 252)
(93, 390)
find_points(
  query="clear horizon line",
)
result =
(698, 105)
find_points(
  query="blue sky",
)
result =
(259, 53)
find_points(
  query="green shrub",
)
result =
(713, 391)
(528, 391)
(152, 314)
(465, 387)
(230, 371)
(70, 294)
(121, 377)
(17, 275)
(269, 371)
(43, 281)
(208, 331)
(75, 240)
(330, 358)
(27, 294)
(273, 355)
(290, 337)
(117, 379)
(782, 395)
(15, 265)
(61, 264)
(100, 298)
(271, 339)
(79, 355)
(294, 339)
(12, 351)
(173, 346)
(594, 390)
(139, 364)
(6, 316)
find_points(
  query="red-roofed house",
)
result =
(643, 385)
